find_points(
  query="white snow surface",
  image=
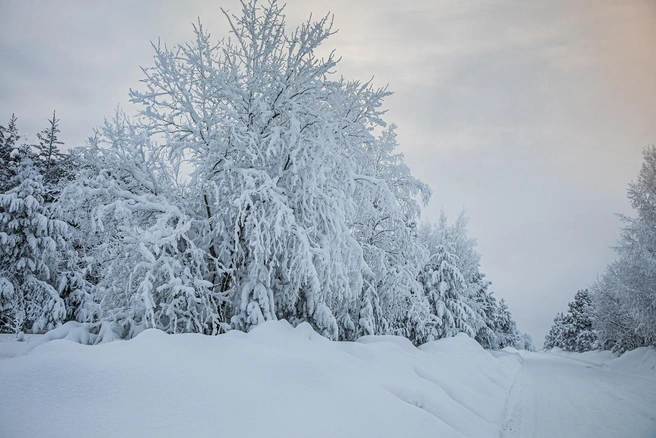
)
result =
(640, 361)
(273, 381)
(580, 395)
(283, 381)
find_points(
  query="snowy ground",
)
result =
(290, 382)
(273, 381)
(584, 395)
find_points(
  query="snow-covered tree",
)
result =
(138, 240)
(254, 184)
(573, 331)
(9, 138)
(275, 142)
(506, 328)
(485, 304)
(555, 337)
(583, 336)
(637, 250)
(55, 166)
(625, 296)
(29, 243)
(384, 226)
(458, 291)
(614, 319)
(47, 150)
(526, 343)
(476, 292)
(444, 284)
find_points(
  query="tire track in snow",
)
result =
(559, 397)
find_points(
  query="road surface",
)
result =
(560, 397)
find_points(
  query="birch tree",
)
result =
(273, 138)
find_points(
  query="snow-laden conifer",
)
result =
(29, 242)
(444, 284)
(9, 138)
(506, 328)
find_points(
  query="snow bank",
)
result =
(274, 381)
(641, 361)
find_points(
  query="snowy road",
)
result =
(560, 397)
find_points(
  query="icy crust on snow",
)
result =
(641, 361)
(274, 381)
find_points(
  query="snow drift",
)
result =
(274, 381)
(641, 361)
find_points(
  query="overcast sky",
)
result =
(531, 115)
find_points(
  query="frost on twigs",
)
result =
(282, 156)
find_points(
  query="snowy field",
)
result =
(274, 381)
(282, 381)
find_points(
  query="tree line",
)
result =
(618, 311)
(254, 184)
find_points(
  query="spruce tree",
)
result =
(30, 241)
(48, 156)
(506, 328)
(444, 285)
(574, 330)
(9, 138)
(555, 336)
(581, 312)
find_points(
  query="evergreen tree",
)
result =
(9, 138)
(30, 241)
(574, 331)
(47, 151)
(555, 337)
(444, 285)
(506, 328)
(48, 156)
(581, 311)
(476, 290)
(486, 304)
(458, 292)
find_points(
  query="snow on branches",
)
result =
(254, 184)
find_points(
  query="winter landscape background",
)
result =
(535, 130)
(253, 224)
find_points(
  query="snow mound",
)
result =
(276, 380)
(641, 361)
